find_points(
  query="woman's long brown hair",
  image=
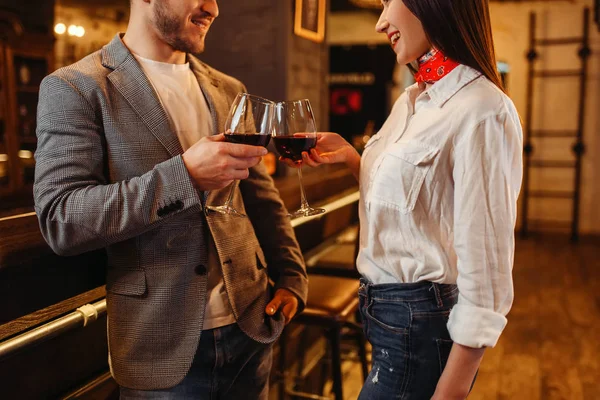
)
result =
(462, 30)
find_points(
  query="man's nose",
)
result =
(210, 7)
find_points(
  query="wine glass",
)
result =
(295, 132)
(250, 121)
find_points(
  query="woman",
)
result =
(439, 185)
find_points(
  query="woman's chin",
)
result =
(402, 59)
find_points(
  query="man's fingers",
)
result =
(245, 151)
(242, 163)
(240, 174)
(289, 310)
(216, 138)
(273, 306)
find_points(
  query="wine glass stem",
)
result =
(229, 202)
(304, 203)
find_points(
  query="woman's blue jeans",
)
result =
(406, 325)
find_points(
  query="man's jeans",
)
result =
(406, 325)
(227, 365)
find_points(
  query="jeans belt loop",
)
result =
(438, 295)
(368, 290)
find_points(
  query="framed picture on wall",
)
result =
(309, 21)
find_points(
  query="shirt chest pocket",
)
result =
(401, 173)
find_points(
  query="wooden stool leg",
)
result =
(336, 362)
(325, 368)
(300, 352)
(361, 342)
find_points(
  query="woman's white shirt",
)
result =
(439, 185)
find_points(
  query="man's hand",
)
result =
(213, 163)
(285, 301)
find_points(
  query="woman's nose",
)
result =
(382, 24)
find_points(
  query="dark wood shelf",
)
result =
(35, 52)
(28, 89)
(28, 139)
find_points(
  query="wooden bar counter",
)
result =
(37, 286)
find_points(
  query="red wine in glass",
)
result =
(250, 122)
(295, 132)
(292, 146)
(253, 139)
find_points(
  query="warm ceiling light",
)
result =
(25, 154)
(72, 30)
(3, 157)
(80, 31)
(60, 29)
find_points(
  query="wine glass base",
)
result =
(227, 210)
(307, 212)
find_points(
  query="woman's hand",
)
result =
(331, 148)
(459, 373)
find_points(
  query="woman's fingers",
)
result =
(290, 163)
(314, 154)
(308, 161)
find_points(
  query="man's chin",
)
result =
(199, 49)
(188, 46)
(196, 47)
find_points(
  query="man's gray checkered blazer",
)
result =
(109, 174)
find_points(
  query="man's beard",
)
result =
(171, 29)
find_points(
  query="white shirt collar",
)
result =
(444, 89)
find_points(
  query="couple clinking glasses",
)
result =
(253, 120)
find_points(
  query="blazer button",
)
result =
(179, 204)
(201, 269)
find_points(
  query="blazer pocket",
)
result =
(401, 174)
(129, 282)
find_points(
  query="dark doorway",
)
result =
(358, 85)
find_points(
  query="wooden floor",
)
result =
(550, 349)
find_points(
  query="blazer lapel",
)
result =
(217, 102)
(129, 79)
(219, 108)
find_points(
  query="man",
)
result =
(127, 160)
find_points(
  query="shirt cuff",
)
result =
(475, 327)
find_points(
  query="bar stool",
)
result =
(339, 257)
(332, 301)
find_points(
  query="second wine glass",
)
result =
(250, 121)
(296, 132)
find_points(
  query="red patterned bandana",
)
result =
(433, 66)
